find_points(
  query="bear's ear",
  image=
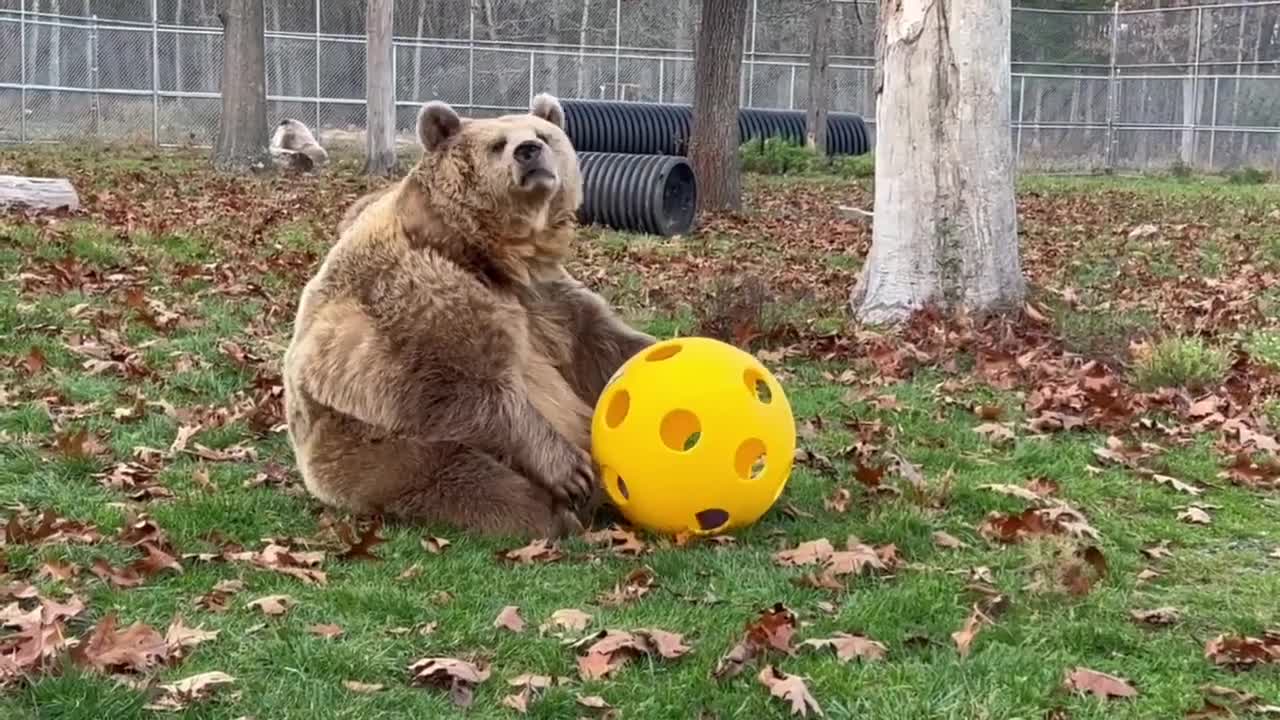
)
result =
(547, 107)
(437, 122)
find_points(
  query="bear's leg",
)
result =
(473, 491)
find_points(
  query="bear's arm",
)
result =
(602, 341)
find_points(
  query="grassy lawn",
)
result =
(1026, 486)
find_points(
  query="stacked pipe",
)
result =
(662, 129)
(655, 194)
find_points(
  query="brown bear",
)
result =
(444, 365)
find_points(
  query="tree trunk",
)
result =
(717, 72)
(242, 128)
(819, 82)
(380, 140)
(945, 227)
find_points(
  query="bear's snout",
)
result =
(528, 151)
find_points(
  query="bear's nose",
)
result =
(528, 151)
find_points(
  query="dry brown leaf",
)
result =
(273, 605)
(623, 542)
(509, 618)
(1177, 484)
(177, 696)
(137, 648)
(1195, 515)
(435, 545)
(791, 689)
(1157, 616)
(363, 688)
(772, 630)
(948, 541)
(1240, 652)
(1017, 491)
(179, 638)
(1102, 685)
(848, 646)
(326, 631)
(963, 638)
(568, 619)
(634, 586)
(458, 677)
(839, 501)
(537, 551)
(806, 553)
(995, 433)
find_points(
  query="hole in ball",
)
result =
(758, 387)
(749, 461)
(680, 430)
(622, 488)
(619, 405)
(712, 519)
(663, 353)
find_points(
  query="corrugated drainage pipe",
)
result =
(661, 129)
(654, 194)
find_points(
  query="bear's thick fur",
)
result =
(444, 365)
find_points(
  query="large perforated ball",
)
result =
(693, 434)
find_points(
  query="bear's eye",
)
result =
(498, 145)
(545, 140)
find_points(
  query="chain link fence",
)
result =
(1092, 90)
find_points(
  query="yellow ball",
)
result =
(693, 434)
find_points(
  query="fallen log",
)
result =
(37, 193)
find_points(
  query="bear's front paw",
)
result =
(571, 475)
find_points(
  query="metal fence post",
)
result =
(617, 49)
(532, 92)
(751, 58)
(1213, 123)
(317, 86)
(791, 93)
(661, 79)
(471, 58)
(1022, 98)
(155, 72)
(93, 77)
(22, 75)
(1113, 90)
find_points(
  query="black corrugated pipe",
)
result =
(641, 128)
(655, 194)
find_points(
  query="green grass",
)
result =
(1219, 576)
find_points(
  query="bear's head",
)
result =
(513, 180)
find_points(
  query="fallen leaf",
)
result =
(179, 638)
(458, 677)
(1195, 515)
(1157, 616)
(1177, 484)
(435, 545)
(360, 545)
(963, 638)
(634, 586)
(137, 648)
(623, 542)
(177, 696)
(995, 433)
(1240, 652)
(509, 618)
(536, 551)
(1102, 685)
(772, 630)
(568, 618)
(791, 689)
(806, 553)
(273, 605)
(363, 688)
(593, 702)
(325, 631)
(848, 646)
(948, 541)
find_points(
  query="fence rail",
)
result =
(1092, 90)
